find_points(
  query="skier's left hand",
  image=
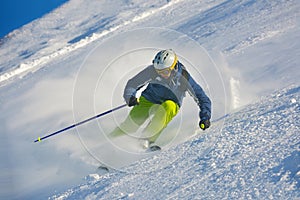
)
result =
(204, 124)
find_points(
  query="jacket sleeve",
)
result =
(138, 81)
(200, 98)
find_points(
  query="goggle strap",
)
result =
(174, 63)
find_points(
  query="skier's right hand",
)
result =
(204, 124)
(133, 101)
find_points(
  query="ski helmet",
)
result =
(165, 59)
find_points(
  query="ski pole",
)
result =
(80, 123)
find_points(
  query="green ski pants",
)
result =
(161, 115)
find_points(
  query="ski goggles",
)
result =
(164, 72)
(167, 71)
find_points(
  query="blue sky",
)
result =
(16, 13)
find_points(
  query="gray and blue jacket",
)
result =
(174, 88)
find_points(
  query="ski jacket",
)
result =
(174, 88)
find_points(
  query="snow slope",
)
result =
(55, 70)
(255, 156)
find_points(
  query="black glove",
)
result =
(133, 101)
(204, 124)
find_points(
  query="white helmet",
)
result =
(165, 59)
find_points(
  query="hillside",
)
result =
(74, 62)
(254, 156)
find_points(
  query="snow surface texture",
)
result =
(256, 156)
(49, 77)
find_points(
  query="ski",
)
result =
(102, 169)
(154, 148)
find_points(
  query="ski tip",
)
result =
(103, 168)
(154, 148)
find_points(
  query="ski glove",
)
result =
(133, 101)
(204, 124)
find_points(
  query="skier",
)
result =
(168, 80)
